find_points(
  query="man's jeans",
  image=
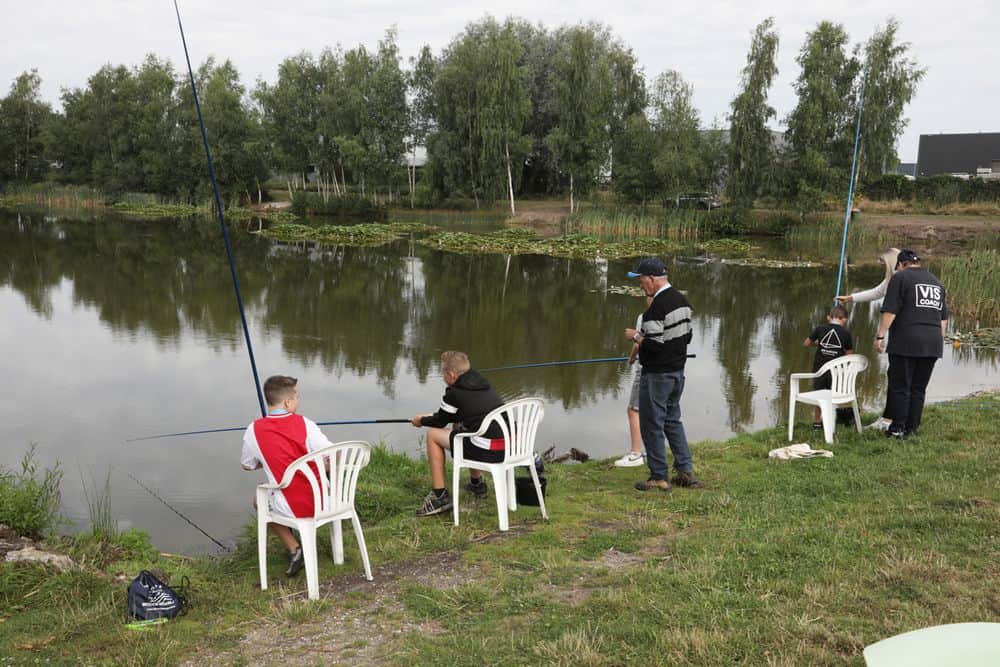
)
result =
(659, 416)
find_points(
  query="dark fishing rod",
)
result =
(559, 363)
(177, 512)
(243, 428)
(222, 219)
(850, 189)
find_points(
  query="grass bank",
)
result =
(801, 562)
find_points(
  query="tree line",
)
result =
(506, 109)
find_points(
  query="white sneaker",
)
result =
(631, 460)
(880, 424)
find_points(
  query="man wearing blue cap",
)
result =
(915, 316)
(663, 341)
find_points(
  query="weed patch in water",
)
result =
(727, 247)
(984, 337)
(150, 210)
(365, 234)
(523, 241)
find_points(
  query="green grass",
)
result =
(29, 497)
(794, 562)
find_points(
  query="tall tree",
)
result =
(678, 159)
(481, 104)
(23, 117)
(891, 78)
(751, 146)
(582, 94)
(290, 109)
(421, 108)
(820, 128)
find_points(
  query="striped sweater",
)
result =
(666, 332)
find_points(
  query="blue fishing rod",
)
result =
(850, 189)
(222, 219)
(390, 421)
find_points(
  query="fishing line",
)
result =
(178, 512)
(243, 428)
(559, 363)
(850, 190)
(222, 219)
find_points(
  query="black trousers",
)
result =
(908, 378)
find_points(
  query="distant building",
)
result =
(963, 155)
(906, 169)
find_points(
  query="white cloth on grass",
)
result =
(799, 451)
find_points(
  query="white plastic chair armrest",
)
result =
(803, 376)
(270, 487)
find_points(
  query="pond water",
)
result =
(115, 329)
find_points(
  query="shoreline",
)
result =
(855, 542)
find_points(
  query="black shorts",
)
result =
(472, 452)
(825, 381)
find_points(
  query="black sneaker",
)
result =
(895, 434)
(686, 479)
(435, 505)
(817, 426)
(296, 561)
(477, 487)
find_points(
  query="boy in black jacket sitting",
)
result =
(467, 400)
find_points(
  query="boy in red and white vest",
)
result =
(273, 443)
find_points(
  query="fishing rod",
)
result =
(177, 512)
(560, 363)
(346, 422)
(222, 219)
(243, 428)
(850, 189)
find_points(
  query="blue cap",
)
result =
(651, 266)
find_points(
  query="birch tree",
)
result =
(751, 147)
(892, 76)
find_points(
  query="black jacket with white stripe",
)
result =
(666, 332)
(465, 403)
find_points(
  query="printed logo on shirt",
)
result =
(928, 296)
(830, 344)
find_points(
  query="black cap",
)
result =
(907, 256)
(651, 266)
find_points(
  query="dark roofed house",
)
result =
(968, 154)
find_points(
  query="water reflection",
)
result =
(141, 315)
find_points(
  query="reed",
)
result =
(972, 283)
(103, 525)
(625, 224)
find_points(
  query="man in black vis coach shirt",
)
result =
(915, 316)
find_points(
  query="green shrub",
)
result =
(29, 499)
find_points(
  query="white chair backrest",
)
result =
(344, 460)
(844, 372)
(519, 422)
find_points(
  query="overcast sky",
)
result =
(706, 41)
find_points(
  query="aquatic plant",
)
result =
(726, 247)
(972, 284)
(364, 234)
(154, 210)
(518, 241)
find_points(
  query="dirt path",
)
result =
(933, 228)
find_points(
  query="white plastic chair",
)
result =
(844, 373)
(956, 644)
(519, 422)
(333, 500)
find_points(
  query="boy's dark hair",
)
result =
(279, 387)
(838, 313)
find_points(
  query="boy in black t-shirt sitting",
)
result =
(831, 340)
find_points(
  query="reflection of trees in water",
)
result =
(139, 276)
(544, 310)
(368, 309)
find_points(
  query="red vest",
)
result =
(282, 440)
